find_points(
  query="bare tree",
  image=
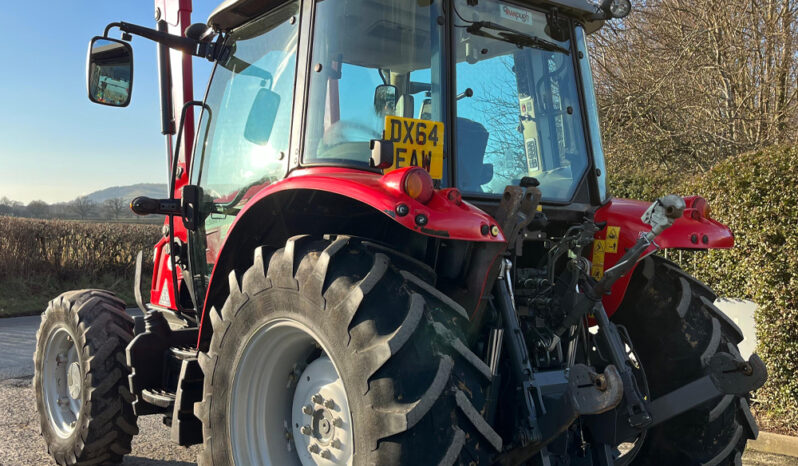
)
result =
(10, 207)
(83, 207)
(115, 207)
(38, 209)
(683, 84)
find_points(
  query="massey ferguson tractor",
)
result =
(388, 240)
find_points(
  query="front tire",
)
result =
(676, 329)
(341, 310)
(80, 378)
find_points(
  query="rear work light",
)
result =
(417, 183)
(701, 208)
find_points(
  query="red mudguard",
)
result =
(444, 216)
(694, 230)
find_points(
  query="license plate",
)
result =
(416, 143)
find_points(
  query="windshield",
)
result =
(523, 117)
(378, 58)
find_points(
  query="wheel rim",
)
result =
(62, 382)
(288, 403)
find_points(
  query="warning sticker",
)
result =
(166, 299)
(599, 248)
(416, 143)
(612, 239)
(597, 268)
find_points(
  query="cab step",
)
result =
(159, 398)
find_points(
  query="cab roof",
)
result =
(233, 13)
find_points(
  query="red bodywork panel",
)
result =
(694, 230)
(446, 218)
(177, 14)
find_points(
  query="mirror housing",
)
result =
(109, 72)
(261, 117)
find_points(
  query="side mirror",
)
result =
(109, 72)
(385, 99)
(261, 116)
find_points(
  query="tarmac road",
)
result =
(22, 444)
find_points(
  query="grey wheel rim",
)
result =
(62, 382)
(288, 407)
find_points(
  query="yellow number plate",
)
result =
(416, 143)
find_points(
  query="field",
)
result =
(41, 258)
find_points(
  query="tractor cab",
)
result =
(509, 84)
(481, 95)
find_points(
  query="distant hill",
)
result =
(154, 190)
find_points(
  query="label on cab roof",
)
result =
(416, 143)
(519, 15)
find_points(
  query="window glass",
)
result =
(244, 137)
(523, 118)
(371, 49)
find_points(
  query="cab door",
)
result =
(244, 130)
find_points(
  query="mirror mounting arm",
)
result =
(204, 49)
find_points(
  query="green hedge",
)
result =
(756, 195)
(42, 258)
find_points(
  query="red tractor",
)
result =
(390, 241)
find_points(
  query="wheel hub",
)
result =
(321, 412)
(73, 380)
(323, 425)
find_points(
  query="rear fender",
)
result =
(340, 201)
(694, 230)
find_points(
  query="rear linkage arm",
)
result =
(583, 390)
(588, 393)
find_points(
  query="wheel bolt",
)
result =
(336, 444)
(337, 422)
(307, 409)
(317, 398)
(326, 454)
(62, 401)
(329, 404)
(306, 430)
(314, 448)
(60, 358)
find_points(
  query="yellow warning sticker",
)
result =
(597, 268)
(416, 143)
(598, 252)
(612, 239)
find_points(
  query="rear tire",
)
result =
(676, 329)
(80, 378)
(413, 388)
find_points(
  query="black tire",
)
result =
(416, 390)
(675, 329)
(101, 329)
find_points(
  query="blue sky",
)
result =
(56, 145)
